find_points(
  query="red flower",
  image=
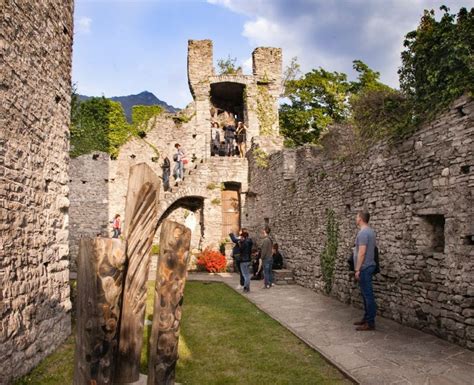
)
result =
(212, 260)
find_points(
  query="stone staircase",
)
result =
(283, 277)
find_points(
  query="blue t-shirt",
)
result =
(366, 236)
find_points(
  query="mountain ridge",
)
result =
(144, 98)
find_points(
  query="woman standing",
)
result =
(241, 134)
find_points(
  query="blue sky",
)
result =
(123, 47)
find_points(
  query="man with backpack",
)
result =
(364, 268)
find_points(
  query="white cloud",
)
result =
(83, 25)
(331, 34)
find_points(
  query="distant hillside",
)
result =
(144, 98)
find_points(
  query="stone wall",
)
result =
(420, 194)
(35, 90)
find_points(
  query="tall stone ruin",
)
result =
(35, 89)
(212, 183)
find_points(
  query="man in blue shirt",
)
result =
(364, 263)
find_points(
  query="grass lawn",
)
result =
(224, 339)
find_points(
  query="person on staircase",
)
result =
(215, 138)
(166, 167)
(179, 159)
(229, 137)
(241, 139)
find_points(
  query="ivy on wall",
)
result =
(329, 254)
(100, 124)
(265, 112)
(261, 157)
(144, 118)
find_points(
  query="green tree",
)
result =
(90, 126)
(291, 72)
(367, 79)
(317, 99)
(228, 66)
(438, 62)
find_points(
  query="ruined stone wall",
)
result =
(420, 194)
(35, 90)
(89, 213)
(99, 185)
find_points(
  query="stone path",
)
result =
(392, 354)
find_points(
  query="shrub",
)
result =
(382, 113)
(212, 261)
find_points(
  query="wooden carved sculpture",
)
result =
(101, 267)
(112, 292)
(170, 280)
(141, 212)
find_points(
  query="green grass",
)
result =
(56, 369)
(224, 340)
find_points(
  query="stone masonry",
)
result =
(99, 185)
(35, 89)
(420, 193)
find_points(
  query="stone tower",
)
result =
(35, 89)
(252, 99)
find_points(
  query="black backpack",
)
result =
(350, 261)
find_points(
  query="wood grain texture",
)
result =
(171, 274)
(101, 267)
(140, 227)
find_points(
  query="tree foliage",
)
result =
(437, 67)
(317, 99)
(228, 66)
(291, 72)
(438, 61)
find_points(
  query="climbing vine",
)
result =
(144, 118)
(329, 254)
(265, 113)
(261, 157)
(100, 124)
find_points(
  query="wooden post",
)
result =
(101, 269)
(170, 280)
(140, 227)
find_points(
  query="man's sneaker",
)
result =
(246, 290)
(178, 180)
(239, 287)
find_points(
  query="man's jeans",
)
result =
(239, 269)
(178, 170)
(267, 271)
(229, 146)
(367, 292)
(244, 267)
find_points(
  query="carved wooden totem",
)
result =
(170, 280)
(101, 267)
(141, 212)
